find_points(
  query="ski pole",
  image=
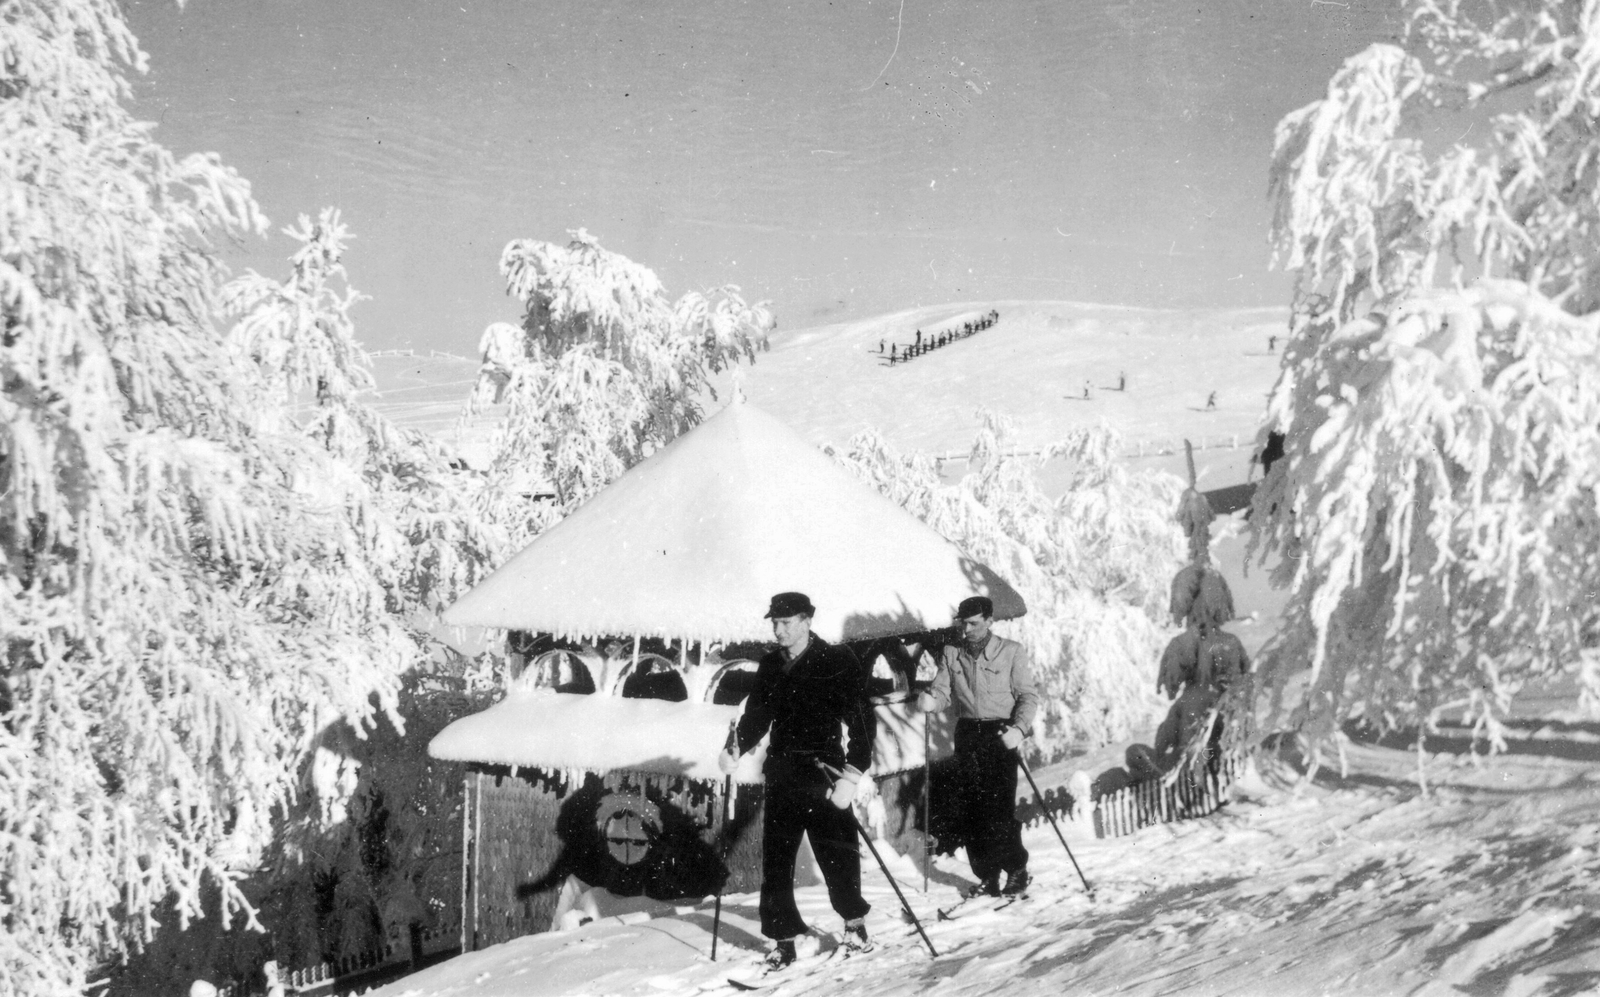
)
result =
(882, 864)
(904, 905)
(1051, 817)
(927, 819)
(894, 883)
(727, 838)
(716, 917)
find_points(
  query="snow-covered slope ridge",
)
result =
(830, 381)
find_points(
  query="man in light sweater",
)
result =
(988, 681)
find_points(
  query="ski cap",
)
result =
(790, 604)
(975, 605)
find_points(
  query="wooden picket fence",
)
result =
(361, 970)
(1153, 801)
(1161, 801)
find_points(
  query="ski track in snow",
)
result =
(1362, 885)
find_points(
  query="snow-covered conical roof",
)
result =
(694, 541)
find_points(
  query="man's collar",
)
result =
(790, 658)
(977, 651)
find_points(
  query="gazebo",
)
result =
(600, 762)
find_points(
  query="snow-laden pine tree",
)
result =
(185, 607)
(409, 496)
(1436, 511)
(1092, 565)
(602, 370)
(380, 835)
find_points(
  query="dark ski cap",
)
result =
(975, 605)
(790, 604)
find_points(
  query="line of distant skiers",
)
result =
(902, 353)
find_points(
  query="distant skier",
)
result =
(1271, 451)
(1211, 402)
(1085, 390)
(1122, 381)
(807, 692)
(1272, 343)
(988, 681)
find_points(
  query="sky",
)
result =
(840, 159)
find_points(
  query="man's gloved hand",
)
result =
(926, 703)
(728, 761)
(844, 788)
(1012, 738)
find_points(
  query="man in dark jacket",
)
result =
(804, 690)
(988, 681)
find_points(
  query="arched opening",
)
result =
(558, 671)
(886, 679)
(653, 677)
(733, 683)
(895, 665)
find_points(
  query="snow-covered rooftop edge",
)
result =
(568, 731)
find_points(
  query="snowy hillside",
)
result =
(829, 382)
(1360, 887)
(1032, 365)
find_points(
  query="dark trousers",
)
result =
(793, 808)
(986, 799)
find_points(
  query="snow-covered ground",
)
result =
(1360, 884)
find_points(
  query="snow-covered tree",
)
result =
(601, 372)
(1436, 512)
(1092, 565)
(410, 498)
(425, 549)
(186, 605)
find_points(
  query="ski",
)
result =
(759, 978)
(973, 902)
(805, 965)
(974, 905)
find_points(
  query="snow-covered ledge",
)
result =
(558, 730)
(538, 728)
